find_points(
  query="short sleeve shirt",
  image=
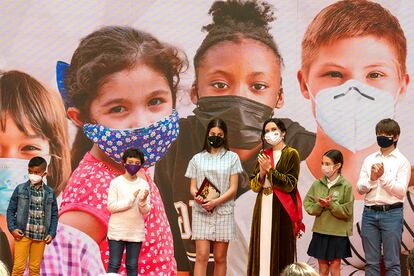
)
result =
(217, 168)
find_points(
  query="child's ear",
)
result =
(194, 93)
(395, 138)
(74, 115)
(405, 81)
(302, 84)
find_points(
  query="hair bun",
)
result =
(228, 13)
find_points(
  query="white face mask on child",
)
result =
(349, 112)
(34, 178)
(328, 170)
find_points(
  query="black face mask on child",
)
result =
(215, 141)
(244, 118)
(384, 141)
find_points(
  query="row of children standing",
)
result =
(272, 241)
(277, 213)
(383, 180)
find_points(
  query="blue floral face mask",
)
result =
(13, 172)
(153, 140)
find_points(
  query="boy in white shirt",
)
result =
(384, 180)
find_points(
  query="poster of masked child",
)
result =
(221, 81)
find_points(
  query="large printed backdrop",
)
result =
(35, 34)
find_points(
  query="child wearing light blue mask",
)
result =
(32, 123)
(120, 88)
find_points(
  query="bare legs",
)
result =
(202, 255)
(329, 266)
(220, 258)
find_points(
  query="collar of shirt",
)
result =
(37, 187)
(394, 153)
(331, 183)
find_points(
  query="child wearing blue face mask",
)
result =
(32, 123)
(121, 86)
(32, 218)
(330, 200)
(128, 202)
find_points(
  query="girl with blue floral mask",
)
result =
(120, 90)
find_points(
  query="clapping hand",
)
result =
(377, 170)
(144, 197)
(265, 164)
(325, 202)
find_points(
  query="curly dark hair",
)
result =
(109, 50)
(234, 20)
(112, 49)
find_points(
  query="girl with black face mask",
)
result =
(228, 85)
(214, 175)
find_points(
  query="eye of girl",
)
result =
(156, 101)
(118, 109)
(220, 85)
(259, 86)
(31, 148)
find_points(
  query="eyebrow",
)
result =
(220, 72)
(113, 101)
(333, 65)
(257, 74)
(159, 92)
(33, 136)
(123, 100)
(380, 64)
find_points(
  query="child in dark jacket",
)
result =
(32, 218)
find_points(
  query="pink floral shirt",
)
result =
(87, 191)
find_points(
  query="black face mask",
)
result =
(244, 118)
(215, 141)
(384, 141)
